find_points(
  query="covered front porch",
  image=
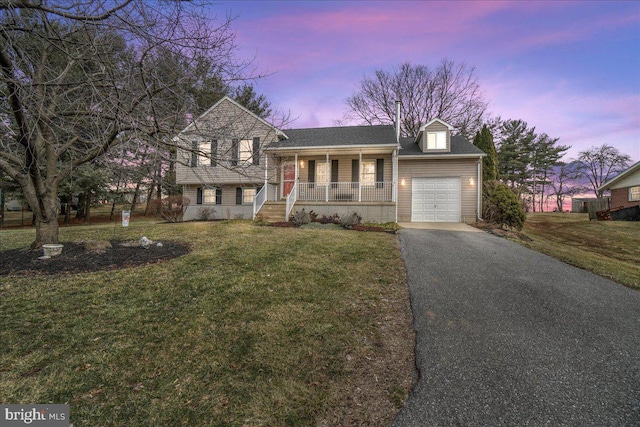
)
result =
(345, 179)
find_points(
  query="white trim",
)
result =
(440, 156)
(330, 147)
(423, 127)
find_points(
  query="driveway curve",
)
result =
(507, 336)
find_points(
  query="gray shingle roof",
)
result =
(459, 145)
(337, 136)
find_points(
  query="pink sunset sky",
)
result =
(569, 68)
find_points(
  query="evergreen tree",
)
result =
(514, 154)
(545, 155)
(246, 96)
(484, 141)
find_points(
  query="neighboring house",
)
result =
(581, 204)
(625, 188)
(256, 169)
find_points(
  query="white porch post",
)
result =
(394, 188)
(326, 174)
(266, 176)
(295, 175)
(360, 176)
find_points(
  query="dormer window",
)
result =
(436, 140)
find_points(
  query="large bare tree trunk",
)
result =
(46, 232)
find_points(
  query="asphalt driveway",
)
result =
(508, 336)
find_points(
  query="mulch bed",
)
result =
(82, 258)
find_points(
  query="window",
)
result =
(203, 153)
(212, 195)
(246, 151)
(436, 140)
(368, 175)
(248, 194)
(634, 193)
(209, 196)
(322, 173)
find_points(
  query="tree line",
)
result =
(92, 94)
(531, 164)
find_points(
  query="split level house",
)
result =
(234, 164)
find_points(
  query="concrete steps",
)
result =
(272, 212)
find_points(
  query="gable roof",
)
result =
(459, 147)
(607, 185)
(235, 103)
(344, 136)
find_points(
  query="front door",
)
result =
(288, 177)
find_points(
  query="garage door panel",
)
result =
(435, 200)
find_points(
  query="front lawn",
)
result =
(256, 326)
(607, 248)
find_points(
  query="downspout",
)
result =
(395, 162)
(395, 183)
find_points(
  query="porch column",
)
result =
(326, 172)
(295, 175)
(360, 176)
(394, 184)
(266, 176)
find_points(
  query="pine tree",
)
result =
(484, 141)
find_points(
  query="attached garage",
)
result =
(435, 200)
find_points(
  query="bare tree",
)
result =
(78, 78)
(565, 183)
(450, 92)
(599, 164)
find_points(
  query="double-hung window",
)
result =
(368, 174)
(322, 173)
(634, 193)
(246, 151)
(436, 140)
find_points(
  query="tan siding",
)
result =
(224, 123)
(464, 168)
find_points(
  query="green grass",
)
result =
(607, 248)
(253, 327)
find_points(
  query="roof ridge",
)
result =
(339, 127)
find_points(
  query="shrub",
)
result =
(205, 214)
(350, 220)
(314, 216)
(172, 208)
(501, 206)
(300, 218)
(333, 219)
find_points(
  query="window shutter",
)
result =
(194, 154)
(312, 172)
(235, 152)
(256, 151)
(199, 196)
(238, 196)
(218, 196)
(355, 172)
(379, 173)
(214, 152)
(334, 173)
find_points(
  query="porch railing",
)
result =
(259, 200)
(345, 192)
(291, 200)
(266, 193)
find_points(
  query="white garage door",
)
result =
(435, 200)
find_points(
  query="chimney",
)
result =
(398, 121)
